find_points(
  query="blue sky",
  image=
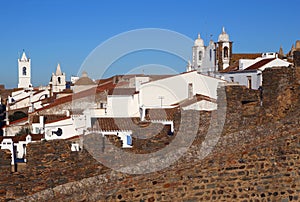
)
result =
(66, 31)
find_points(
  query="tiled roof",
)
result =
(122, 91)
(233, 67)
(196, 98)
(237, 56)
(18, 121)
(79, 95)
(84, 81)
(161, 113)
(15, 139)
(49, 118)
(111, 124)
(259, 64)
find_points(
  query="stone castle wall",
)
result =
(256, 157)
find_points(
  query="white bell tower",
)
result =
(24, 66)
(198, 52)
(224, 50)
(58, 80)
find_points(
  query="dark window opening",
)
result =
(249, 84)
(24, 71)
(200, 55)
(225, 52)
(247, 101)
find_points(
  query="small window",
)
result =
(190, 90)
(210, 54)
(249, 83)
(225, 52)
(24, 71)
(200, 55)
(231, 79)
(59, 80)
(129, 140)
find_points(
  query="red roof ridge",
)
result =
(259, 64)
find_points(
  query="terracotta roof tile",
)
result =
(196, 98)
(237, 56)
(231, 68)
(122, 91)
(49, 118)
(19, 121)
(111, 124)
(259, 64)
(161, 113)
(82, 94)
(15, 139)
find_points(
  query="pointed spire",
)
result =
(24, 58)
(223, 29)
(58, 70)
(293, 47)
(199, 37)
(281, 51)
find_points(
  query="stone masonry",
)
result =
(254, 157)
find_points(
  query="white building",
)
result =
(58, 80)
(164, 93)
(24, 67)
(212, 58)
(249, 72)
(58, 126)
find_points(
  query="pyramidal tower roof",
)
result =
(58, 70)
(24, 57)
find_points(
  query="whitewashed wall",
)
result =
(242, 78)
(175, 89)
(122, 106)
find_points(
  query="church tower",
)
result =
(198, 53)
(24, 66)
(223, 50)
(58, 80)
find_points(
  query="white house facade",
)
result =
(169, 91)
(249, 72)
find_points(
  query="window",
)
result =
(24, 71)
(59, 80)
(225, 52)
(129, 140)
(249, 83)
(210, 54)
(200, 55)
(231, 79)
(190, 90)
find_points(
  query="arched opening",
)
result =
(24, 71)
(225, 52)
(200, 55)
(16, 116)
(59, 80)
(210, 55)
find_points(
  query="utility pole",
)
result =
(161, 100)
